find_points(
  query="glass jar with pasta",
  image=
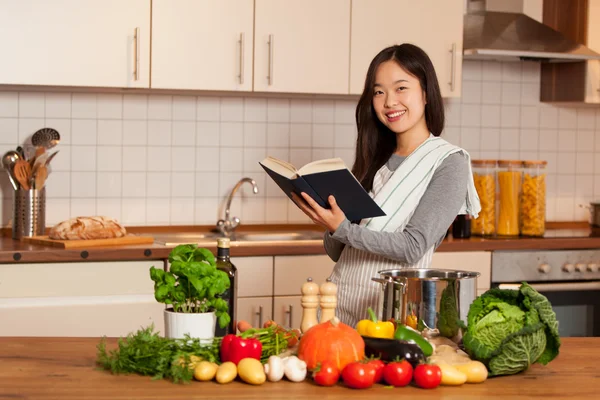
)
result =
(484, 176)
(509, 195)
(533, 198)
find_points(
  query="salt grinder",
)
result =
(328, 300)
(310, 302)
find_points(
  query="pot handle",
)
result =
(385, 281)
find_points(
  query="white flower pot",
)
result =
(200, 326)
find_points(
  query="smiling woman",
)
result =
(419, 180)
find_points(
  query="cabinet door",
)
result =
(75, 43)
(302, 46)
(202, 44)
(435, 26)
(292, 271)
(255, 310)
(287, 311)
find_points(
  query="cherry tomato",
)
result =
(427, 376)
(398, 373)
(378, 367)
(358, 375)
(327, 374)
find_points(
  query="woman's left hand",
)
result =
(327, 218)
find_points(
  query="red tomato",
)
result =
(358, 375)
(378, 367)
(427, 376)
(327, 374)
(398, 373)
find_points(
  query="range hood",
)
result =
(510, 36)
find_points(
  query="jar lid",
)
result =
(481, 163)
(531, 163)
(510, 163)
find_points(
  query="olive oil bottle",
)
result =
(230, 296)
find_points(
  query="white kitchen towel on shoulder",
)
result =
(400, 195)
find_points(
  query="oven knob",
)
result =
(544, 268)
(568, 268)
(580, 267)
(592, 267)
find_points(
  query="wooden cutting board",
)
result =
(73, 244)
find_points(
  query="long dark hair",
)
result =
(376, 143)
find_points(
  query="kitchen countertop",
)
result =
(64, 368)
(558, 236)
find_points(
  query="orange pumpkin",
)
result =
(332, 340)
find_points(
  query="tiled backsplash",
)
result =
(161, 159)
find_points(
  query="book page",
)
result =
(329, 164)
(281, 167)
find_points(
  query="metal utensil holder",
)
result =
(29, 213)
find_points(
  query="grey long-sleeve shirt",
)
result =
(435, 212)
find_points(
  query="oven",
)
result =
(570, 279)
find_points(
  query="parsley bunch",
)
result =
(193, 284)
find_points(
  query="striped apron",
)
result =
(398, 193)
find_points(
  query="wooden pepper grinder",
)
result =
(328, 300)
(310, 302)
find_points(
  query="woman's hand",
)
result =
(330, 219)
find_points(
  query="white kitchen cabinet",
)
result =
(255, 310)
(254, 276)
(291, 272)
(435, 26)
(202, 44)
(99, 43)
(287, 311)
(472, 261)
(302, 46)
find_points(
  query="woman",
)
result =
(421, 181)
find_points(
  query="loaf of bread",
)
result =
(87, 228)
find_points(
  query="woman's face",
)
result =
(398, 99)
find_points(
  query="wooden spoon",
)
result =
(22, 171)
(40, 177)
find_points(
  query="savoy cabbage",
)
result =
(508, 330)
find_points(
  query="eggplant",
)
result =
(391, 349)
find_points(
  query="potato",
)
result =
(475, 371)
(252, 371)
(226, 372)
(451, 376)
(444, 348)
(205, 371)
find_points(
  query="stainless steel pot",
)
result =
(434, 298)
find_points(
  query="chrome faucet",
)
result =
(227, 226)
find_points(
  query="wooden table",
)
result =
(64, 368)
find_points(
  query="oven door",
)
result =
(576, 304)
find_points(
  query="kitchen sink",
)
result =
(173, 239)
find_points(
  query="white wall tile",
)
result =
(110, 106)
(62, 161)
(565, 208)
(9, 104)
(490, 139)
(295, 215)
(135, 132)
(552, 159)
(160, 107)
(530, 72)
(565, 185)
(158, 159)
(567, 140)
(134, 185)
(344, 136)
(548, 117)
(253, 211)
(83, 184)
(207, 184)
(299, 157)
(347, 155)
(548, 140)
(83, 105)
(58, 105)
(528, 139)
(232, 109)
(183, 184)
(584, 186)
(529, 117)
(184, 108)
(231, 159)
(278, 110)
(567, 118)
(345, 112)
(301, 110)
(110, 158)
(584, 164)
(205, 211)
(300, 135)
(567, 163)
(110, 132)
(251, 158)
(184, 133)
(134, 158)
(321, 154)
(511, 72)
(491, 92)
(452, 135)
(472, 70)
(207, 159)
(83, 158)
(57, 210)
(134, 211)
(110, 207)
(492, 71)
(207, 133)
(323, 112)
(452, 112)
(471, 92)
(232, 133)
(109, 184)
(278, 135)
(182, 211)
(323, 135)
(255, 110)
(470, 139)
(277, 210)
(135, 106)
(586, 119)
(490, 116)
(83, 207)
(509, 116)
(208, 109)
(183, 159)
(511, 93)
(530, 93)
(84, 132)
(159, 133)
(585, 141)
(509, 139)
(227, 181)
(58, 184)
(159, 184)
(9, 131)
(158, 211)
(63, 126)
(470, 115)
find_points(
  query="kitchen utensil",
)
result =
(434, 298)
(50, 157)
(21, 151)
(40, 177)
(22, 171)
(45, 137)
(29, 213)
(8, 162)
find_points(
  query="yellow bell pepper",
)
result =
(374, 328)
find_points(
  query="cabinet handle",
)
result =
(270, 76)
(453, 68)
(135, 54)
(260, 316)
(241, 42)
(289, 311)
